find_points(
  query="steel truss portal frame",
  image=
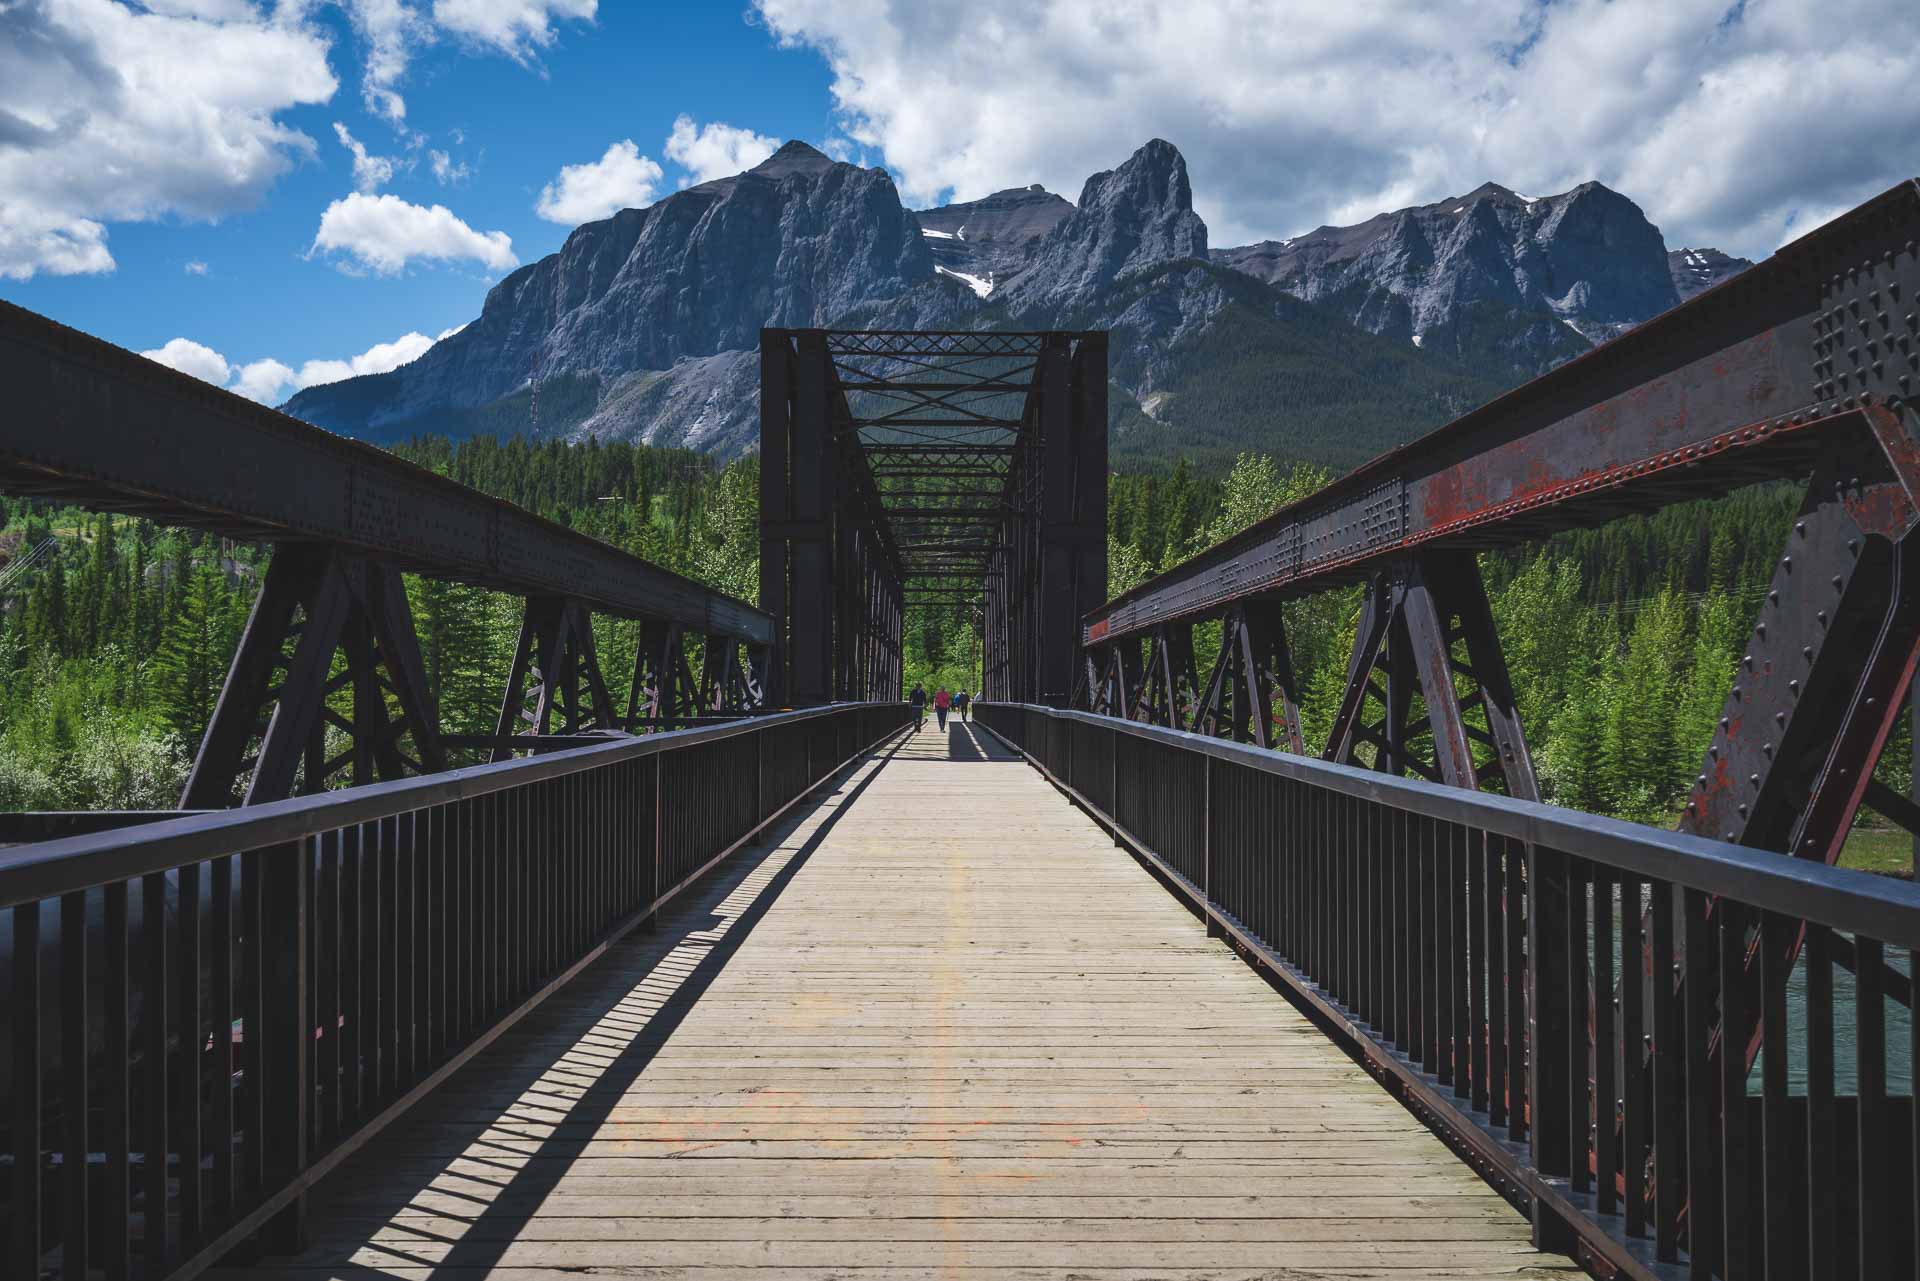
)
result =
(903, 469)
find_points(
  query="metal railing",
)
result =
(206, 1014)
(1457, 940)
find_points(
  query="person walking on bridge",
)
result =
(941, 702)
(960, 701)
(919, 700)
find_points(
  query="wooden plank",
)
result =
(936, 1025)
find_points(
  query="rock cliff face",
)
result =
(1128, 219)
(1587, 257)
(988, 239)
(796, 241)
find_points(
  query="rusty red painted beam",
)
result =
(1725, 389)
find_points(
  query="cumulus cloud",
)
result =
(620, 179)
(270, 381)
(196, 268)
(110, 113)
(716, 150)
(384, 233)
(391, 31)
(194, 358)
(1725, 122)
(516, 28)
(370, 172)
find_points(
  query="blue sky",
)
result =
(629, 74)
(172, 178)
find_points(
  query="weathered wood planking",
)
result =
(938, 1027)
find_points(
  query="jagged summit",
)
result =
(795, 157)
(1129, 218)
(989, 237)
(1694, 270)
(799, 240)
(1587, 256)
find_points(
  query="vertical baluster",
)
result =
(1737, 1224)
(1444, 948)
(1430, 987)
(1780, 1208)
(25, 1211)
(1492, 939)
(252, 1112)
(153, 1020)
(1635, 1085)
(73, 1083)
(1473, 894)
(288, 1052)
(1402, 826)
(1669, 1081)
(1457, 958)
(1605, 1140)
(1573, 948)
(1822, 1115)
(407, 948)
(386, 1034)
(220, 1020)
(333, 968)
(1518, 981)
(1701, 985)
(1551, 1011)
(111, 1247)
(1877, 1227)
(187, 1119)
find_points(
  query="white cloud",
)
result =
(196, 268)
(190, 357)
(716, 150)
(270, 381)
(370, 172)
(391, 31)
(110, 113)
(1723, 121)
(264, 381)
(384, 233)
(513, 27)
(445, 170)
(620, 179)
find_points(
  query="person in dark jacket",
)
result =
(919, 700)
(960, 702)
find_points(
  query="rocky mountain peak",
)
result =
(1129, 218)
(1587, 259)
(795, 157)
(1695, 270)
(799, 240)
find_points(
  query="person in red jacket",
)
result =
(941, 702)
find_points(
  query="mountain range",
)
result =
(1327, 347)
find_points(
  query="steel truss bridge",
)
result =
(879, 1010)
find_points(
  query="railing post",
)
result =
(1113, 782)
(659, 835)
(1206, 843)
(288, 1046)
(1547, 1047)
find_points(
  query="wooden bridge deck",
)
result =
(938, 1026)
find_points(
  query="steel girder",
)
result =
(1748, 380)
(1426, 631)
(84, 417)
(268, 732)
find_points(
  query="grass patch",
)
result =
(1886, 850)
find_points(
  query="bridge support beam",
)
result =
(555, 671)
(268, 729)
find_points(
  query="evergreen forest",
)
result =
(116, 632)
